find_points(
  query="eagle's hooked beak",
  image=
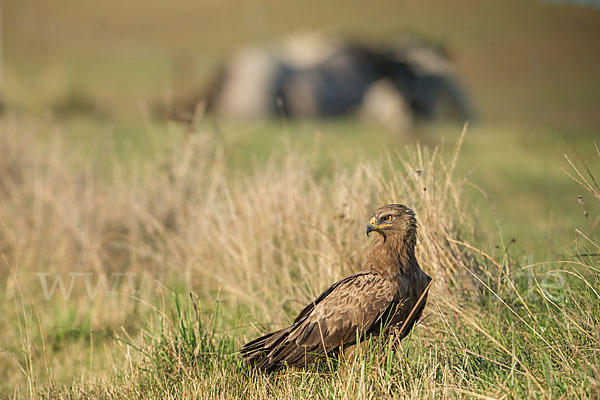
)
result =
(372, 226)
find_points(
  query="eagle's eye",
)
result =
(387, 218)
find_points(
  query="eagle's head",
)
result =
(394, 220)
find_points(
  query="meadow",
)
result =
(137, 255)
(164, 269)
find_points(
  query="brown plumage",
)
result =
(390, 292)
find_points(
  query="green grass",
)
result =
(518, 168)
(504, 350)
(180, 216)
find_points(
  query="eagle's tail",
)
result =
(259, 352)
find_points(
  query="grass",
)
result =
(252, 248)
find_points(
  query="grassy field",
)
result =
(252, 247)
(177, 244)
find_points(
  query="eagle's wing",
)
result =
(347, 309)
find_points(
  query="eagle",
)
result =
(387, 295)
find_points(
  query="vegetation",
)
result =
(168, 270)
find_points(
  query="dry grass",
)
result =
(264, 243)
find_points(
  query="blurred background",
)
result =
(100, 72)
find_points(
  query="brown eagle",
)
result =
(390, 292)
